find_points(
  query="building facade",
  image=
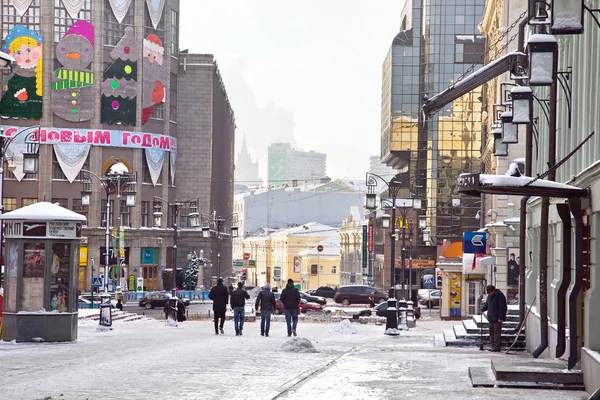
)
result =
(289, 165)
(108, 83)
(438, 42)
(352, 255)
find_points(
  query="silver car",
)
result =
(430, 298)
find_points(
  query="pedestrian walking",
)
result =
(372, 300)
(267, 304)
(496, 308)
(220, 298)
(119, 305)
(238, 303)
(290, 297)
(180, 310)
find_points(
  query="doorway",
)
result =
(475, 290)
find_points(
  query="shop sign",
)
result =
(83, 256)
(455, 291)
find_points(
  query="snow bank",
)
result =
(298, 345)
(344, 328)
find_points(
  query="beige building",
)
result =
(321, 268)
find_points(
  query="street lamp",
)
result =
(567, 17)
(543, 59)
(117, 178)
(213, 225)
(175, 208)
(522, 98)
(509, 130)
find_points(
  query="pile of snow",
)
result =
(344, 328)
(298, 345)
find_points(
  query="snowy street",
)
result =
(147, 360)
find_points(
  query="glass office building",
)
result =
(438, 42)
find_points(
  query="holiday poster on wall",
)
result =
(154, 75)
(23, 98)
(72, 86)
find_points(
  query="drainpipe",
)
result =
(575, 205)
(545, 215)
(565, 216)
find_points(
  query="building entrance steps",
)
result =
(472, 331)
(524, 372)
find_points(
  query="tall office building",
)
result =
(105, 82)
(438, 42)
(288, 165)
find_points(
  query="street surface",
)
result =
(148, 360)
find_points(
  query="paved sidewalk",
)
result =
(147, 360)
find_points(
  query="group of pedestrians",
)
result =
(180, 315)
(265, 302)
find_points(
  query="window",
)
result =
(174, 34)
(157, 206)
(28, 201)
(31, 19)
(113, 31)
(9, 168)
(61, 202)
(313, 269)
(125, 214)
(173, 99)
(469, 49)
(146, 214)
(79, 208)
(86, 166)
(334, 269)
(57, 172)
(158, 112)
(146, 177)
(149, 28)
(103, 213)
(63, 21)
(9, 204)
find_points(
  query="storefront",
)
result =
(83, 259)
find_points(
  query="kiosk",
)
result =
(42, 280)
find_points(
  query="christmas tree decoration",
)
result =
(21, 6)
(23, 98)
(72, 86)
(154, 75)
(120, 8)
(155, 9)
(73, 7)
(189, 279)
(119, 89)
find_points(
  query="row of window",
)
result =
(313, 269)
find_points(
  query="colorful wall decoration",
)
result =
(155, 9)
(154, 76)
(119, 89)
(120, 8)
(71, 158)
(23, 99)
(455, 293)
(72, 87)
(21, 6)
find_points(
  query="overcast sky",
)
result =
(306, 72)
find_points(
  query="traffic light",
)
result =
(244, 275)
(439, 277)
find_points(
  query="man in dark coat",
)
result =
(267, 304)
(220, 298)
(238, 303)
(290, 297)
(180, 310)
(496, 308)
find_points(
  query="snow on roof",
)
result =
(486, 67)
(43, 211)
(308, 229)
(504, 180)
(331, 247)
(541, 38)
(521, 89)
(512, 220)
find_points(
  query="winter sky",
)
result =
(306, 72)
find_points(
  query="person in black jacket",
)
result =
(496, 308)
(238, 303)
(220, 297)
(180, 310)
(267, 304)
(290, 297)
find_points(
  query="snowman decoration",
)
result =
(72, 86)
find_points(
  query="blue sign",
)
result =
(474, 242)
(428, 281)
(97, 282)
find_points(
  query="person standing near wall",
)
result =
(496, 308)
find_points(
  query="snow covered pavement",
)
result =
(147, 360)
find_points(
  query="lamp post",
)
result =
(193, 221)
(213, 225)
(394, 186)
(117, 178)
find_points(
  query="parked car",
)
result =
(430, 298)
(157, 299)
(325, 291)
(305, 306)
(358, 294)
(313, 299)
(311, 292)
(381, 311)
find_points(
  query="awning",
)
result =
(475, 184)
(487, 260)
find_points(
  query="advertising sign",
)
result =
(112, 255)
(83, 256)
(101, 137)
(371, 236)
(474, 242)
(364, 246)
(140, 284)
(297, 265)
(238, 265)
(276, 273)
(455, 293)
(513, 266)
(277, 167)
